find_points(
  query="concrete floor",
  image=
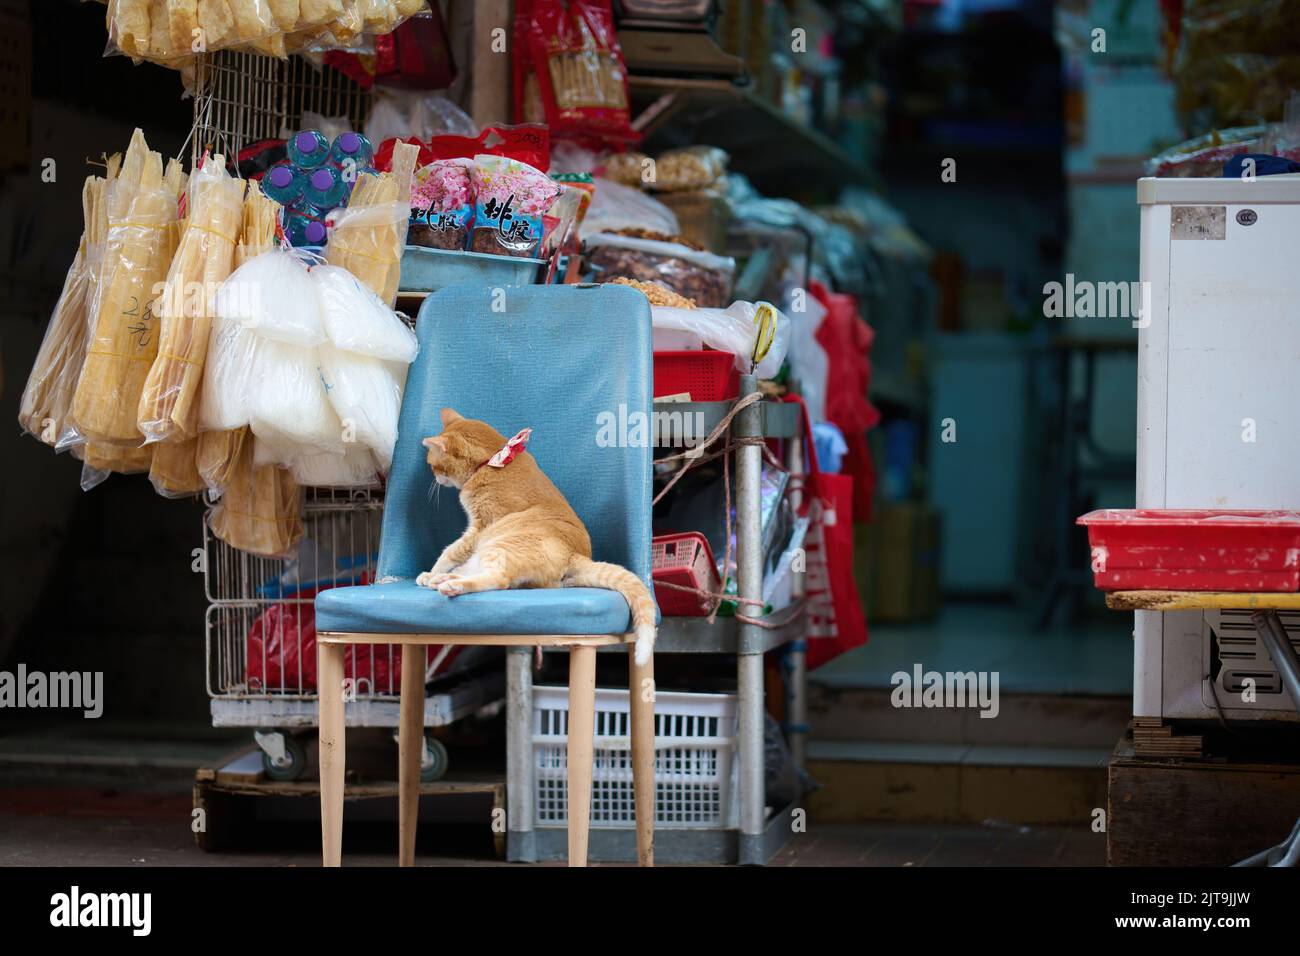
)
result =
(65, 817)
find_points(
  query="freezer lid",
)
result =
(1282, 188)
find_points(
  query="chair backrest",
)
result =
(571, 362)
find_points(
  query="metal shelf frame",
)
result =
(760, 834)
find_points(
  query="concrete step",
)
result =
(837, 713)
(955, 783)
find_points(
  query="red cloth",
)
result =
(847, 340)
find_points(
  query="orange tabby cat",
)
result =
(522, 532)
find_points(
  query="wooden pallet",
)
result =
(1176, 812)
(227, 794)
(1152, 737)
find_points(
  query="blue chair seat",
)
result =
(402, 607)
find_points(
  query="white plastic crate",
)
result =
(695, 765)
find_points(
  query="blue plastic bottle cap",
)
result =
(307, 142)
(281, 177)
(315, 233)
(349, 143)
(322, 179)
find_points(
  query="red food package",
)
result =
(569, 70)
(528, 143)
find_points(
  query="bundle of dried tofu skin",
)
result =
(123, 339)
(369, 236)
(43, 409)
(169, 403)
(260, 510)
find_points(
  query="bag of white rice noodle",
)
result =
(355, 468)
(273, 295)
(227, 373)
(366, 397)
(356, 320)
(288, 405)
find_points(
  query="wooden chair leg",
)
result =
(641, 686)
(410, 750)
(329, 666)
(582, 732)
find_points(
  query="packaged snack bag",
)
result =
(509, 202)
(442, 205)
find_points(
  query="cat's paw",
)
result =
(431, 579)
(450, 586)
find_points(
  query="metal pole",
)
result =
(749, 665)
(521, 838)
(797, 718)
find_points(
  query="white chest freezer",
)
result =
(1218, 415)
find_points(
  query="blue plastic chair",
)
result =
(574, 364)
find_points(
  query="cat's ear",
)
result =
(450, 415)
(437, 441)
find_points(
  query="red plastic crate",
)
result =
(707, 376)
(684, 559)
(1182, 550)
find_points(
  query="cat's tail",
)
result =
(586, 573)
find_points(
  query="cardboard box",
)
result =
(897, 562)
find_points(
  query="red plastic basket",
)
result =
(707, 376)
(683, 559)
(1179, 550)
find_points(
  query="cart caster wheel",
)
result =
(433, 765)
(289, 759)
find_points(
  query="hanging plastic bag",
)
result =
(355, 468)
(169, 404)
(288, 405)
(273, 296)
(736, 329)
(369, 236)
(366, 398)
(356, 321)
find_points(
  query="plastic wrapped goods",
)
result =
(174, 469)
(123, 339)
(43, 410)
(615, 206)
(260, 510)
(288, 405)
(369, 236)
(646, 257)
(216, 455)
(169, 405)
(356, 321)
(366, 397)
(734, 329)
(355, 468)
(272, 295)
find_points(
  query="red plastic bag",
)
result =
(528, 143)
(281, 653)
(836, 622)
(415, 56)
(569, 70)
